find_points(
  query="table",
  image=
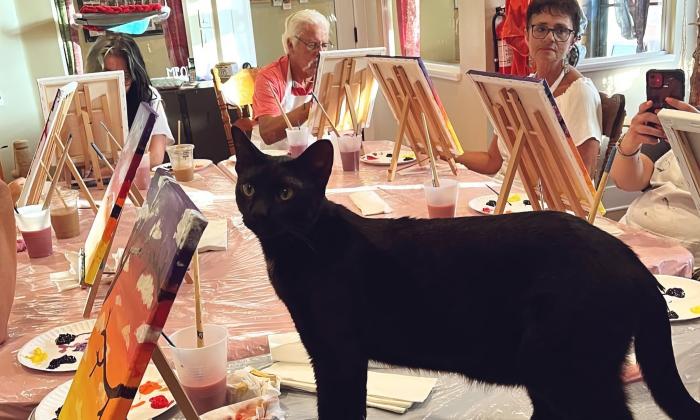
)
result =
(236, 291)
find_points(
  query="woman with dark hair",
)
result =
(553, 28)
(120, 52)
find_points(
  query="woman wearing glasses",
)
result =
(290, 78)
(553, 28)
(120, 52)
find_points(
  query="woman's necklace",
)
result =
(557, 82)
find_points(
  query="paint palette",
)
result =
(199, 164)
(487, 204)
(383, 158)
(152, 388)
(686, 307)
(57, 350)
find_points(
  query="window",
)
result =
(618, 28)
(439, 31)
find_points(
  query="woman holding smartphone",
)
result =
(645, 162)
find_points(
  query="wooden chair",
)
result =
(223, 109)
(613, 116)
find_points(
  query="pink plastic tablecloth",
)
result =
(235, 288)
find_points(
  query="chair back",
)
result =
(613, 116)
(223, 109)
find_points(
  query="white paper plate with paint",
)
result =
(199, 164)
(60, 348)
(486, 204)
(686, 307)
(152, 387)
(383, 158)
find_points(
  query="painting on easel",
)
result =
(405, 83)
(136, 308)
(46, 147)
(335, 70)
(524, 114)
(104, 226)
(100, 99)
(684, 136)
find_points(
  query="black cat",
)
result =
(541, 300)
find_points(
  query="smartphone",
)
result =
(664, 83)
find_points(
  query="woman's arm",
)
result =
(483, 162)
(156, 149)
(272, 128)
(589, 150)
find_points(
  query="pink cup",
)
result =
(442, 200)
(142, 179)
(35, 225)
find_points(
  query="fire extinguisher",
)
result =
(503, 54)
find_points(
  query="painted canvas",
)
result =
(683, 132)
(104, 226)
(136, 308)
(55, 118)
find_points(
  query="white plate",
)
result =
(140, 408)
(482, 205)
(687, 307)
(383, 158)
(199, 164)
(46, 342)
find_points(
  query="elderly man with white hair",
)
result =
(290, 77)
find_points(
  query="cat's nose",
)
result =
(259, 210)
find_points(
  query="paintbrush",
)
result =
(279, 106)
(601, 187)
(433, 165)
(494, 191)
(167, 339)
(325, 114)
(197, 300)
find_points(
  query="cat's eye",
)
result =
(286, 193)
(248, 190)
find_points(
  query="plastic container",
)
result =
(182, 161)
(64, 214)
(298, 140)
(349, 146)
(441, 201)
(35, 225)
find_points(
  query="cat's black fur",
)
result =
(541, 300)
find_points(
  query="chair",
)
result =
(613, 116)
(223, 109)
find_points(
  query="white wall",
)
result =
(29, 44)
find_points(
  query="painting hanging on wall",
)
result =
(136, 308)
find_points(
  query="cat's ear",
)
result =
(317, 161)
(247, 154)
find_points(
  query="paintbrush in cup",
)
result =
(199, 326)
(433, 165)
(279, 106)
(601, 187)
(179, 124)
(325, 114)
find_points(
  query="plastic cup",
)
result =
(442, 201)
(35, 225)
(182, 161)
(349, 145)
(298, 140)
(202, 371)
(64, 214)
(142, 179)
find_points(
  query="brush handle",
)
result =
(325, 114)
(197, 300)
(593, 212)
(279, 106)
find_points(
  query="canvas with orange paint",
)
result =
(156, 257)
(104, 227)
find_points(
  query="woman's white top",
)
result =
(161, 126)
(667, 208)
(581, 109)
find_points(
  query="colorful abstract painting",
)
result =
(104, 226)
(156, 257)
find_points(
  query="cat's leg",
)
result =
(341, 387)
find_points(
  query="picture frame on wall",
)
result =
(92, 35)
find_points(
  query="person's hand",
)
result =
(680, 105)
(644, 128)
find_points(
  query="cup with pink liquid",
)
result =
(142, 179)
(442, 200)
(349, 145)
(202, 371)
(298, 140)
(35, 225)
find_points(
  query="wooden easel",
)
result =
(408, 101)
(335, 101)
(536, 154)
(45, 155)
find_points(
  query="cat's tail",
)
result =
(654, 351)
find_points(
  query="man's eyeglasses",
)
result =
(314, 46)
(561, 33)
